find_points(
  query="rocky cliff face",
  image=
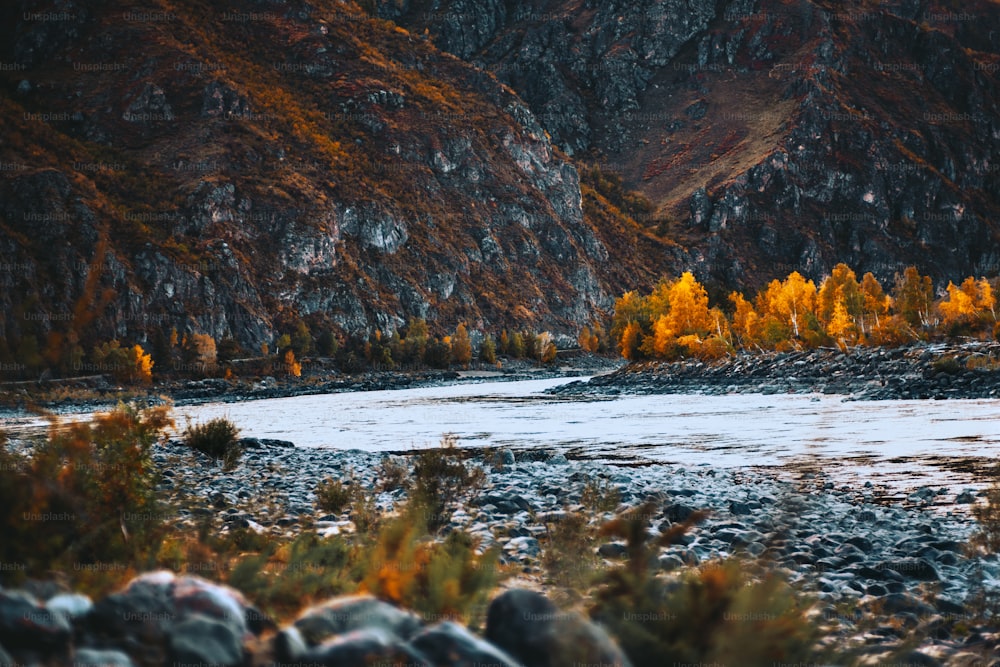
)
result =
(340, 169)
(772, 136)
(283, 159)
(577, 64)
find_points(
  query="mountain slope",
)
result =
(229, 172)
(771, 136)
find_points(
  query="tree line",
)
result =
(676, 320)
(173, 354)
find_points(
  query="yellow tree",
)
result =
(796, 300)
(875, 305)
(773, 326)
(630, 340)
(141, 365)
(840, 286)
(292, 367)
(959, 307)
(986, 301)
(784, 307)
(544, 348)
(746, 321)
(461, 346)
(588, 340)
(969, 303)
(987, 298)
(841, 326)
(980, 292)
(662, 340)
(689, 314)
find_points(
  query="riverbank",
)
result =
(928, 371)
(891, 582)
(96, 393)
(887, 576)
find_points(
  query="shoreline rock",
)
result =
(935, 371)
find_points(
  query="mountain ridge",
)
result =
(356, 172)
(343, 171)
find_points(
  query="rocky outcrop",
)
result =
(575, 65)
(918, 372)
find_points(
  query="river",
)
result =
(900, 445)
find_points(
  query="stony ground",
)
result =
(881, 573)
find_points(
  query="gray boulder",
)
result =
(346, 614)
(70, 605)
(452, 645)
(26, 625)
(90, 657)
(160, 614)
(532, 630)
(202, 640)
(362, 648)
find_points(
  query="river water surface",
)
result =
(900, 444)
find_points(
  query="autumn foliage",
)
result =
(85, 494)
(676, 319)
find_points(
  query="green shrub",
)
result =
(440, 478)
(949, 365)
(569, 557)
(281, 580)
(600, 495)
(229, 349)
(715, 614)
(393, 474)
(333, 496)
(364, 513)
(218, 438)
(87, 494)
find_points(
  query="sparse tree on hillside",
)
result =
(544, 348)
(200, 350)
(913, 298)
(461, 346)
(587, 340)
(488, 351)
(516, 347)
(327, 343)
(301, 339)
